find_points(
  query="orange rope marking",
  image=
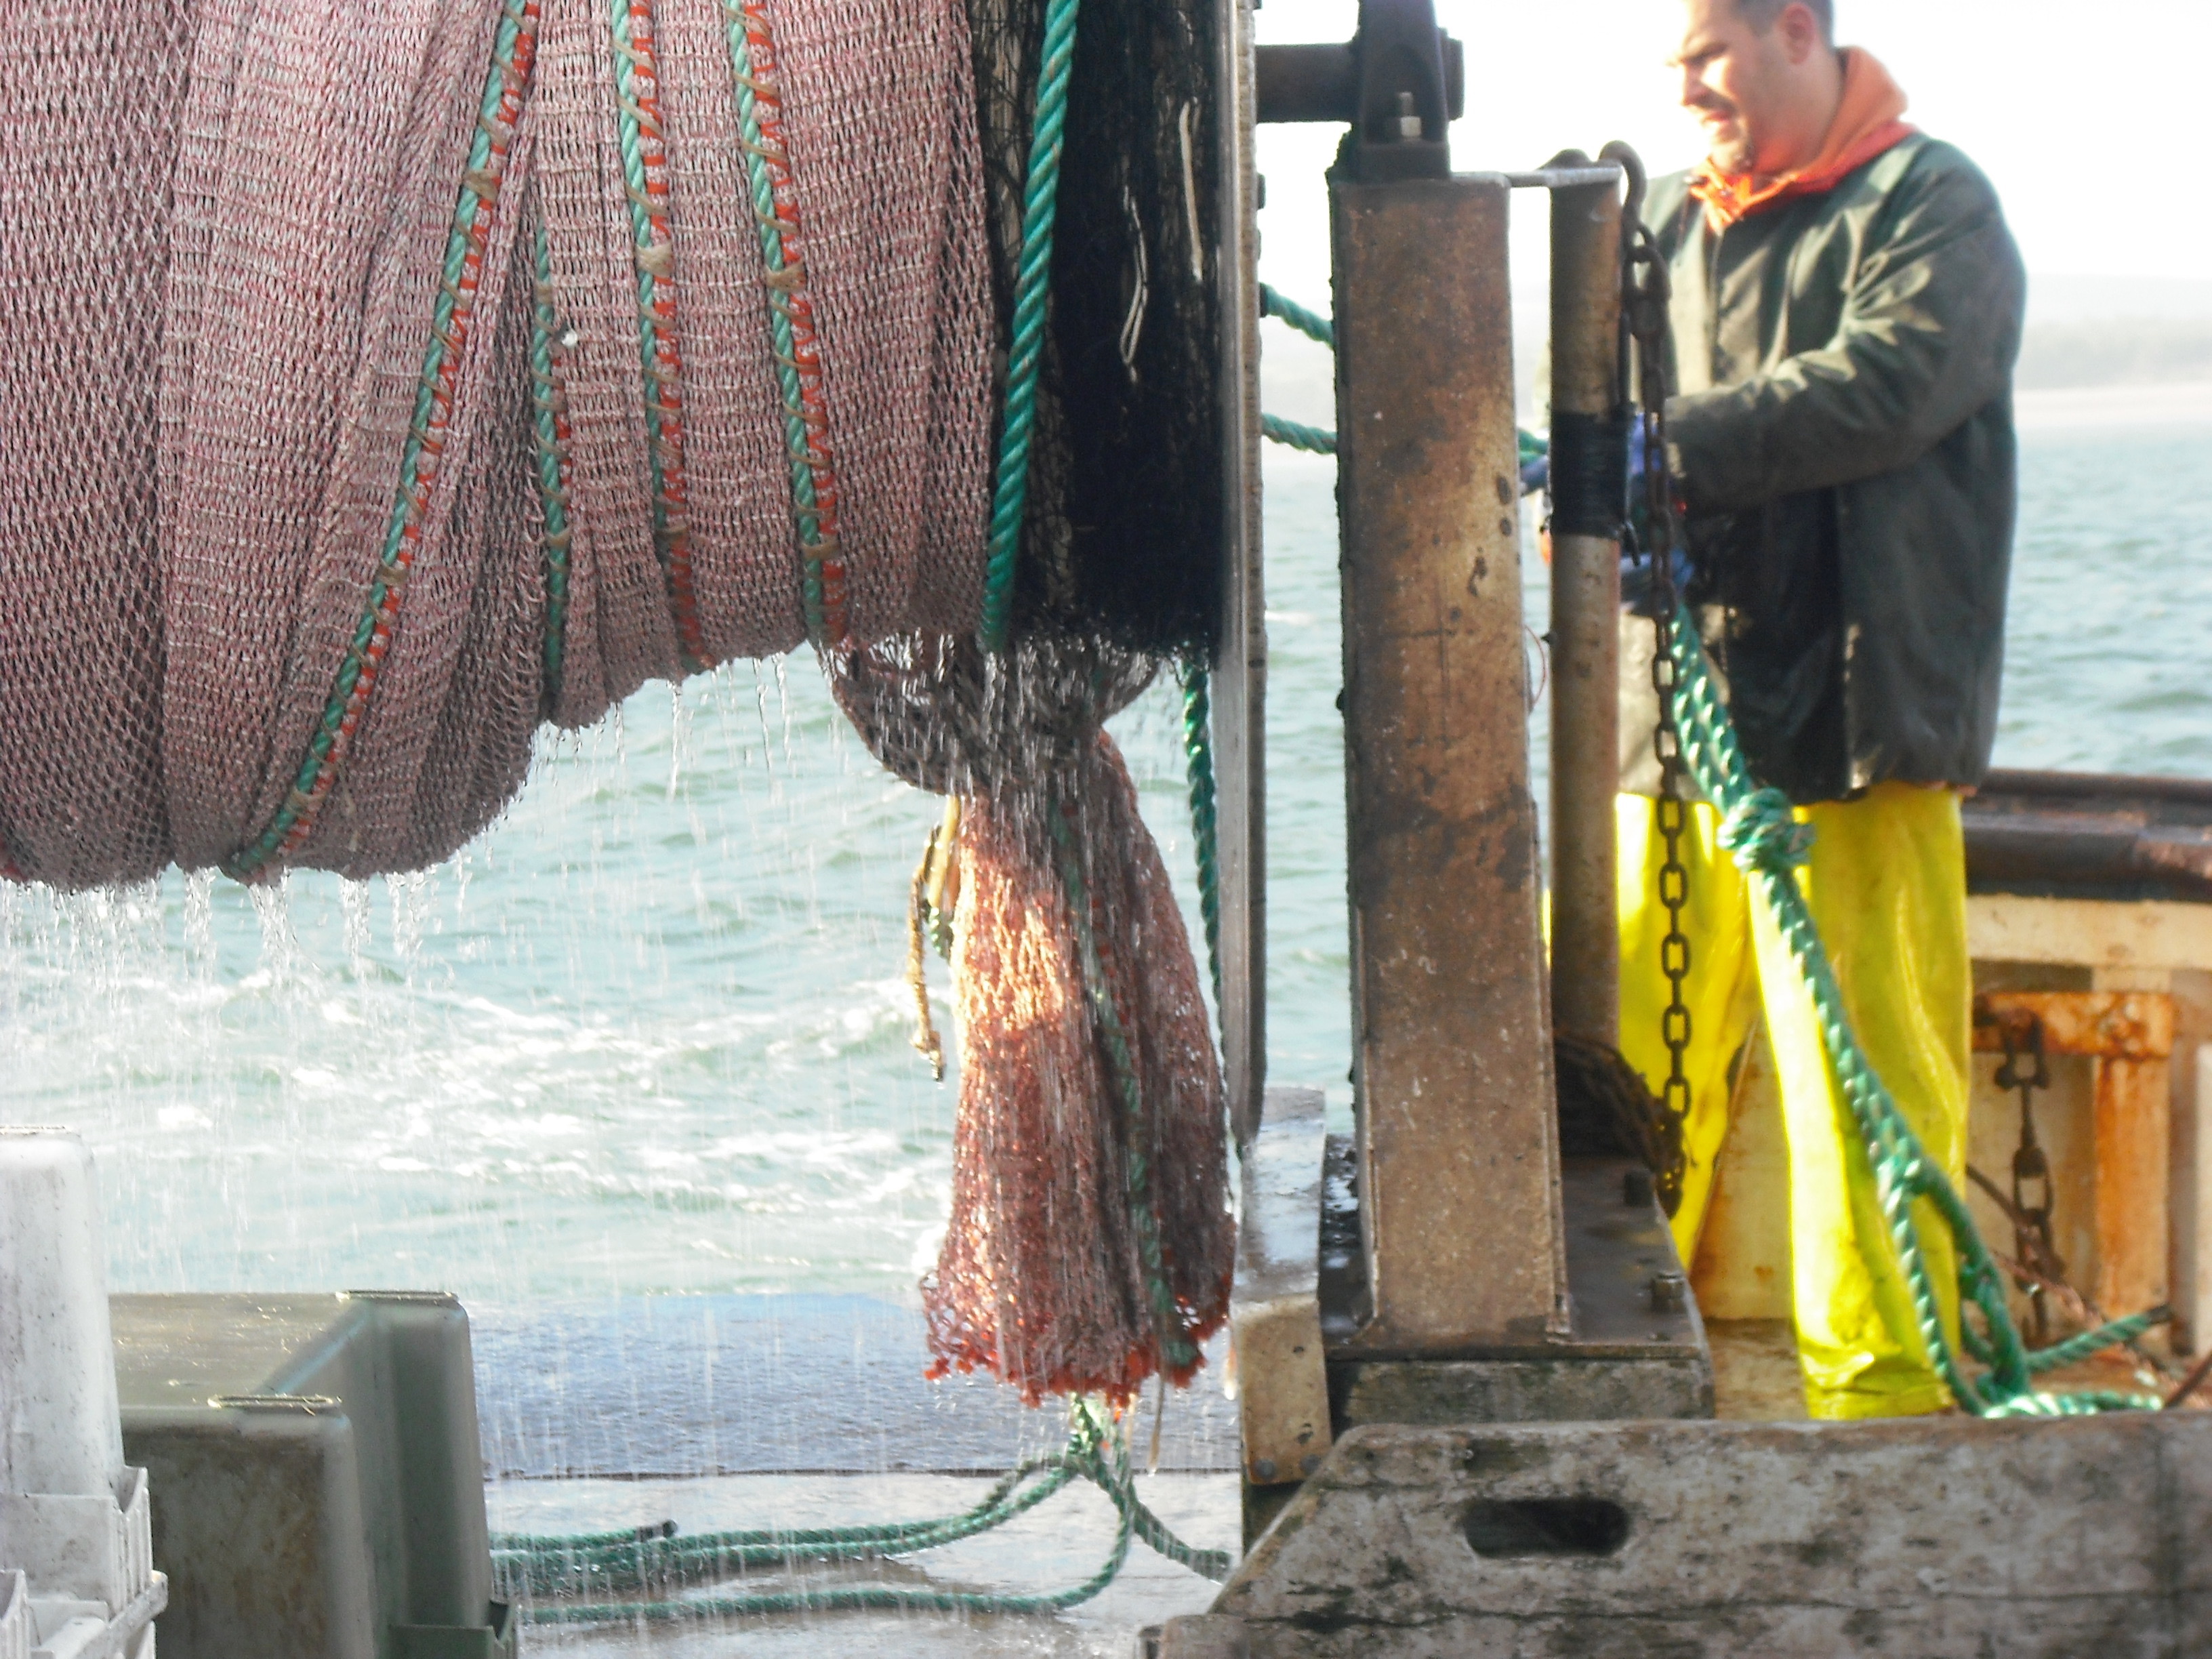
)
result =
(788, 295)
(664, 397)
(331, 745)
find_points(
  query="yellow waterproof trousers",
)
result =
(1887, 887)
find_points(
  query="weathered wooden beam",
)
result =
(1199, 1636)
(2088, 933)
(1946, 1537)
(1459, 1145)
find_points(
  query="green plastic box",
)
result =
(317, 1480)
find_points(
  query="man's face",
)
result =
(1736, 80)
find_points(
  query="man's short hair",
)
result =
(1762, 14)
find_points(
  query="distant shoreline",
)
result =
(1297, 384)
(2073, 409)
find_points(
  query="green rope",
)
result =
(1313, 326)
(2081, 1346)
(1761, 833)
(530, 1543)
(546, 1564)
(1205, 828)
(454, 307)
(805, 510)
(1317, 441)
(615, 1562)
(1032, 285)
(552, 485)
(1311, 439)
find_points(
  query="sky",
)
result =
(2090, 129)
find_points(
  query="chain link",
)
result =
(1645, 292)
(2033, 1241)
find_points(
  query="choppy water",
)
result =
(650, 1033)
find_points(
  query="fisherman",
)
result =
(1846, 309)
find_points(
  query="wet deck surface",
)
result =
(1060, 1543)
(677, 1386)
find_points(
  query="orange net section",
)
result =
(1090, 1243)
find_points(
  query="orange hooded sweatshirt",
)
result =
(1865, 125)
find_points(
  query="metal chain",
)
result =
(2032, 1242)
(1645, 291)
(1757, 827)
(2035, 1266)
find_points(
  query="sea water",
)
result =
(650, 1033)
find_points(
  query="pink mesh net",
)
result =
(208, 423)
(317, 316)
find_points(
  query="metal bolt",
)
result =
(1669, 1293)
(1636, 1189)
(1308, 1463)
(1409, 123)
(1263, 1469)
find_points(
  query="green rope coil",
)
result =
(1032, 286)
(1761, 833)
(1768, 844)
(530, 1543)
(613, 1562)
(1205, 826)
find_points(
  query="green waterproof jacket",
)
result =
(1842, 435)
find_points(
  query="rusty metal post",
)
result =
(2133, 1113)
(2133, 1129)
(1458, 1137)
(2127, 1026)
(1587, 488)
(1240, 654)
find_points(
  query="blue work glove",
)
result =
(1636, 457)
(1639, 569)
(1535, 463)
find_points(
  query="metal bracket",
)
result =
(1398, 83)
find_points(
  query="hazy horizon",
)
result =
(2112, 230)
